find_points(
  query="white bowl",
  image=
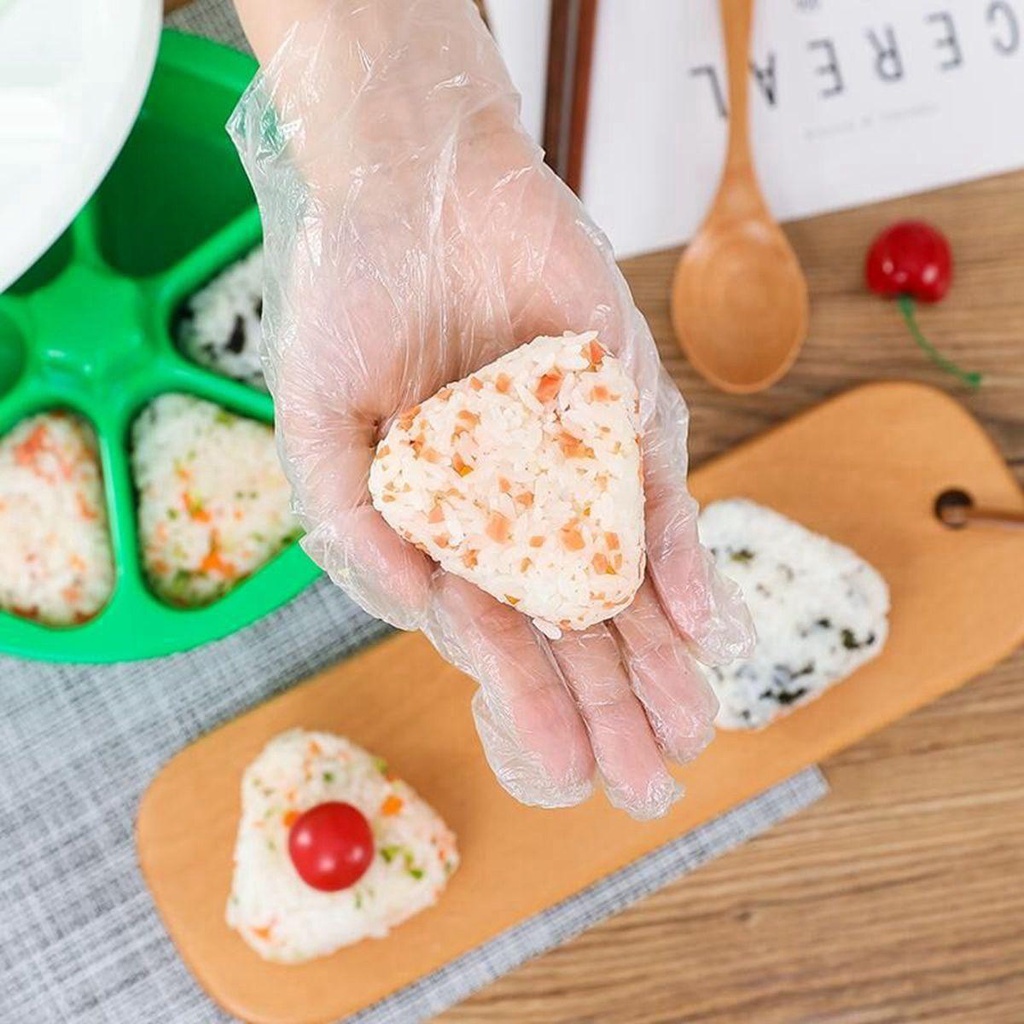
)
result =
(73, 74)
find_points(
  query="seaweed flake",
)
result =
(850, 641)
(786, 697)
(236, 340)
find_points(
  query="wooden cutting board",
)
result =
(863, 469)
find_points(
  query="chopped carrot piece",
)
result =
(290, 817)
(444, 394)
(595, 353)
(442, 540)
(460, 466)
(572, 447)
(314, 748)
(406, 418)
(388, 497)
(469, 417)
(469, 559)
(548, 386)
(391, 806)
(476, 384)
(503, 383)
(512, 600)
(599, 562)
(572, 538)
(504, 484)
(213, 563)
(499, 527)
(85, 510)
(26, 452)
(436, 515)
(384, 451)
(536, 542)
(525, 564)
(264, 932)
(525, 499)
(430, 455)
(612, 540)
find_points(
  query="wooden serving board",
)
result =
(863, 469)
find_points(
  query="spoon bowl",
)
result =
(739, 304)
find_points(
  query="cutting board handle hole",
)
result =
(955, 508)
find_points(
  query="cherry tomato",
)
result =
(331, 846)
(910, 258)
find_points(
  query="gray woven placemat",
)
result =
(80, 942)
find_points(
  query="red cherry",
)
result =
(331, 846)
(910, 258)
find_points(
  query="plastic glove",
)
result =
(413, 234)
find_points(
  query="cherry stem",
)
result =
(967, 377)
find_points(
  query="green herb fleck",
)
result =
(824, 623)
(328, 776)
(271, 845)
(743, 556)
(410, 866)
(849, 640)
(224, 417)
(381, 765)
(172, 513)
(359, 900)
(389, 853)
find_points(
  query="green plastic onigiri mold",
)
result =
(88, 330)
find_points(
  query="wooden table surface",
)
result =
(900, 897)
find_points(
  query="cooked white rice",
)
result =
(214, 504)
(525, 479)
(272, 908)
(220, 326)
(55, 560)
(820, 611)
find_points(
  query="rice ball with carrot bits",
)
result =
(214, 503)
(525, 478)
(56, 564)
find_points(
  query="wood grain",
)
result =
(891, 446)
(900, 897)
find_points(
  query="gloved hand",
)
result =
(413, 234)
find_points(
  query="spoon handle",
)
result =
(737, 18)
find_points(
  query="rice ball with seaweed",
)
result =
(820, 611)
(219, 327)
(56, 564)
(214, 504)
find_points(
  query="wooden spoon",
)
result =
(739, 297)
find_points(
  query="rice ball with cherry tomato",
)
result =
(331, 849)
